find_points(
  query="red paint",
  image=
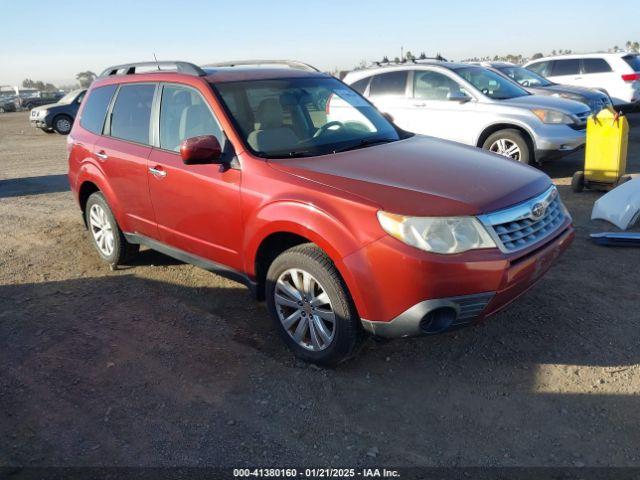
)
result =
(225, 214)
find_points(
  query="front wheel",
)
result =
(509, 143)
(311, 307)
(62, 124)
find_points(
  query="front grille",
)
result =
(523, 225)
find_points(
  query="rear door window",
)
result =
(390, 83)
(570, 66)
(131, 114)
(95, 109)
(429, 85)
(595, 65)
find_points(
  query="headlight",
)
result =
(43, 113)
(552, 116)
(437, 234)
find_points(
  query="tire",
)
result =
(322, 342)
(98, 216)
(507, 138)
(577, 182)
(47, 130)
(62, 124)
(28, 106)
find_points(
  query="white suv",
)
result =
(472, 105)
(617, 74)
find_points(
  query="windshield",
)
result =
(492, 84)
(69, 97)
(300, 117)
(525, 77)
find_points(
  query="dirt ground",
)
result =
(163, 364)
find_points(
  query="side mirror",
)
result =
(200, 150)
(458, 96)
(388, 116)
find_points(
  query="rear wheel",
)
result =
(62, 124)
(509, 143)
(577, 182)
(311, 307)
(107, 237)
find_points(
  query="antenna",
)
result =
(156, 59)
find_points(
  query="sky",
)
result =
(53, 40)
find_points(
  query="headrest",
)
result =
(269, 113)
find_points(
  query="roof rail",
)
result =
(130, 68)
(414, 61)
(290, 63)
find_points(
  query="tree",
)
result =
(537, 56)
(28, 83)
(396, 60)
(85, 78)
(423, 56)
(628, 45)
(409, 57)
(385, 59)
(635, 47)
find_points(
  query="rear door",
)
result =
(197, 207)
(597, 73)
(433, 113)
(122, 153)
(388, 91)
(566, 71)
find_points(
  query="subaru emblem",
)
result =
(537, 211)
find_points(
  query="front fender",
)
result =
(331, 234)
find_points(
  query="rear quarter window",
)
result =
(595, 65)
(541, 68)
(95, 108)
(390, 83)
(361, 85)
(633, 61)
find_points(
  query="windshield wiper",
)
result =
(365, 142)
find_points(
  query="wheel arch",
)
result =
(496, 127)
(285, 224)
(91, 180)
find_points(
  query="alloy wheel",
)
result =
(506, 147)
(101, 229)
(63, 125)
(304, 309)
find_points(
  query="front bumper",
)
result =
(474, 285)
(556, 140)
(39, 122)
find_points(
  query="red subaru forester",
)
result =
(342, 225)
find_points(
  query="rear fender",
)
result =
(90, 172)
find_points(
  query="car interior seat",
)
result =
(270, 132)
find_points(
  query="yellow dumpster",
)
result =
(605, 157)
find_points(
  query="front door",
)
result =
(197, 207)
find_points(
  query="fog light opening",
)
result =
(438, 320)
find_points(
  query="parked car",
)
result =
(616, 74)
(58, 117)
(538, 85)
(41, 98)
(342, 226)
(475, 106)
(8, 104)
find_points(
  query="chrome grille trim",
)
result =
(518, 227)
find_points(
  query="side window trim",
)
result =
(106, 131)
(155, 116)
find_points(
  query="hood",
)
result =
(537, 101)
(44, 107)
(587, 93)
(424, 176)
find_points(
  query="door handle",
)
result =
(157, 172)
(101, 155)
(420, 104)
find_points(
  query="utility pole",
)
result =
(401, 53)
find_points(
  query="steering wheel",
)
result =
(326, 127)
